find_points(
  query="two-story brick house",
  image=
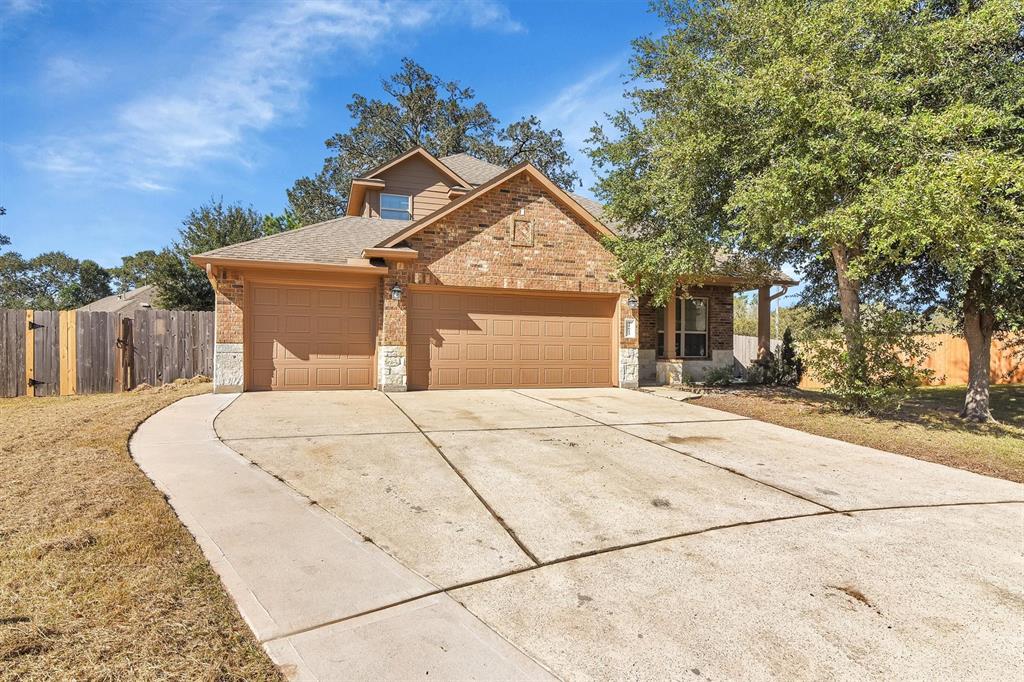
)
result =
(453, 273)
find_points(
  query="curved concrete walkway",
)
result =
(587, 534)
(309, 586)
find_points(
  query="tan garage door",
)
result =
(470, 340)
(309, 337)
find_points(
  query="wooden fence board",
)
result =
(46, 352)
(12, 353)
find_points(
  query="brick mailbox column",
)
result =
(392, 362)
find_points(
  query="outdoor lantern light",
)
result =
(632, 302)
(396, 293)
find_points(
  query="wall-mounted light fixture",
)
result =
(632, 302)
(396, 293)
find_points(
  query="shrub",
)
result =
(785, 369)
(718, 376)
(888, 368)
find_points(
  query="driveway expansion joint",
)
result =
(617, 427)
(497, 517)
(632, 545)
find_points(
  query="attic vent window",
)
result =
(395, 207)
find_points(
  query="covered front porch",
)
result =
(693, 334)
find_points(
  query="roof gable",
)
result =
(422, 153)
(557, 193)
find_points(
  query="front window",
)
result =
(395, 207)
(691, 327)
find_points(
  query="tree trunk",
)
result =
(849, 308)
(979, 322)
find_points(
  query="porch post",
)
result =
(764, 327)
(670, 325)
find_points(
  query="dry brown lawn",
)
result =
(98, 578)
(926, 428)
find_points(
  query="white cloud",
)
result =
(579, 105)
(13, 8)
(64, 75)
(256, 75)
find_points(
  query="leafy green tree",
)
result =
(274, 224)
(4, 239)
(422, 110)
(773, 129)
(91, 283)
(50, 277)
(15, 282)
(181, 285)
(135, 270)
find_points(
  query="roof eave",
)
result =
(354, 266)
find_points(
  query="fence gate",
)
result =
(49, 352)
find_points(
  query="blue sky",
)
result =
(117, 118)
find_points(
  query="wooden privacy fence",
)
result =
(64, 352)
(744, 352)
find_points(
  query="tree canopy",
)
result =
(846, 138)
(181, 285)
(420, 109)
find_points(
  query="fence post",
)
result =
(126, 350)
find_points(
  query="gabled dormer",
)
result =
(408, 187)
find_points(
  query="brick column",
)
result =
(629, 353)
(229, 325)
(392, 364)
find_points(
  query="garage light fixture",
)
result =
(633, 302)
(396, 293)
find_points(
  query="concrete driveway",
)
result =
(587, 534)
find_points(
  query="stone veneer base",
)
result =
(391, 369)
(228, 364)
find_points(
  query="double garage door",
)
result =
(313, 337)
(471, 340)
(309, 337)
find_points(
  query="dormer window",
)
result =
(395, 207)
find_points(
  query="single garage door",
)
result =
(470, 340)
(310, 337)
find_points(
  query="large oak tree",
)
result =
(776, 129)
(444, 118)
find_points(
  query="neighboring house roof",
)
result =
(332, 242)
(125, 303)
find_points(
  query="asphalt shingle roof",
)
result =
(332, 242)
(472, 169)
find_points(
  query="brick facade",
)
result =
(229, 300)
(720, 314)
(515, 237)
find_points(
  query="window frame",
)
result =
(681, 332)
(408, 203)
